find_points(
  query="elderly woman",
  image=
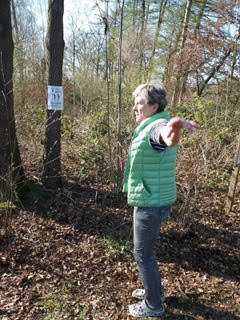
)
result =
(149, 180)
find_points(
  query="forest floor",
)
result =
(70, 257)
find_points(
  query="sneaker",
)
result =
(140, 294)
(141, 310)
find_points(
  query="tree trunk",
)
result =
(182, 45)
(55, 49)
(169, 65)
(157, 31)
(106, 33)
(119, 128)
(134, 16)
(219, 64)
(73, 40)
(199, 19)
(214, 69)
(11, 171)
(20, 53)
(187, 67)
(141, 38)
(233, 181)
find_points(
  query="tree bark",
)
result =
(55, 49)
(11, 171)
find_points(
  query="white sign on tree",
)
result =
(55, 98)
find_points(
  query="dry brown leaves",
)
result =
(59, 263)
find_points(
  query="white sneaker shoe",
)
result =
(140, 294)
(141, 310)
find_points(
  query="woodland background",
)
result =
(65, 252)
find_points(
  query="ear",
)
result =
(155, 107)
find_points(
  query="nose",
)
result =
(134, 107)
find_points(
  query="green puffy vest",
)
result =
(149, 177)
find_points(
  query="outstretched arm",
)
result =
(170, 134)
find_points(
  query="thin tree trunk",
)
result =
(119, 127)
(135, 6)
(74, 62)
(231, 74)
(14, 16)
(43, 68)
(19, 46)
(141, 38)
(108, 88)
(218, 65)
(214, 69)
(146, 16)
(157, 31)
(11, 171)
(55, 49)
(234, 62)
(182, 44)
(233, 181)
(168, 67)
(200, 16)
(187, 67)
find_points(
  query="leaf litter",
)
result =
(70, 258)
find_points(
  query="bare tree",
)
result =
(55, 49)
(11, 171)
(216, 67)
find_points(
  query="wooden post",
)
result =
(233, 182)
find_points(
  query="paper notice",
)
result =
(55, 98)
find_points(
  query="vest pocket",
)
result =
(140, 188)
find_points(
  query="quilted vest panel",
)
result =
(149, 177)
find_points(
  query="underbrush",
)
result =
(92, 149)
(71, 253)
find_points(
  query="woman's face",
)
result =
(143, 110)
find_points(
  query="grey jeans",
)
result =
(146, 228)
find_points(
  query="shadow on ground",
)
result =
(103, 213)
(197, 309)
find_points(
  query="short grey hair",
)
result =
(152, 93)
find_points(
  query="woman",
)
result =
(149, 180)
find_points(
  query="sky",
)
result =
(80, 11)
